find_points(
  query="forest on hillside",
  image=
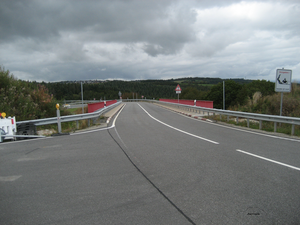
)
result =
(150, 89)
(34, 100)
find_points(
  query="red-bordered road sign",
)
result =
(178, 89)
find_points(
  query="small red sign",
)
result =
(178, 88)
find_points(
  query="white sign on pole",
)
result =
(283, 82)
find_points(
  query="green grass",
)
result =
(72, 111)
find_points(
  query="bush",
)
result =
(24, 100)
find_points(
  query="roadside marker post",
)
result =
(58, 118)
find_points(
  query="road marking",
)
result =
(90, 131)
(114, 122)
(193, 135)
(10, 178)
(270, 160)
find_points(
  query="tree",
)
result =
(263, 86)
(21, 99)
(192, 93)
(232, 89)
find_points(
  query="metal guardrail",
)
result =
(254, 116)
(53, 120)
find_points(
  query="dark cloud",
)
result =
(71, 40)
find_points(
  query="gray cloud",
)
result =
(54, 40)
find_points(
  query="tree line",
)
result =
(237, 92)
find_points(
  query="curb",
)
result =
(60, 134)
(109, 118)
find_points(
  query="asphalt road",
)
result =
(152, 166)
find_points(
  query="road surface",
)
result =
(152, 166)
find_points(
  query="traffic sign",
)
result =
(283, 82)
(178, 89)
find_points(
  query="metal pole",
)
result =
(223, 95)
(58, 121)
(82, 98)
(281, 103)
(178, 98)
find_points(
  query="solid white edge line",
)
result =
(114, 122)
(270, 160)
(91, 131)
(193, 135)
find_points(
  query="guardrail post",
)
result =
(237, 120)
(260, 124)
(77, 124)
(275, 127)
(227, 118)
(293, 129)
(248, 122)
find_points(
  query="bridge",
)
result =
(152, 165)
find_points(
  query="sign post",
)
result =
(283, 83)
(178, 91)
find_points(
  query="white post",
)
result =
(58, 118)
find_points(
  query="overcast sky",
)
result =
(55, 40)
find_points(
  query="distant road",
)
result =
(152, 166)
